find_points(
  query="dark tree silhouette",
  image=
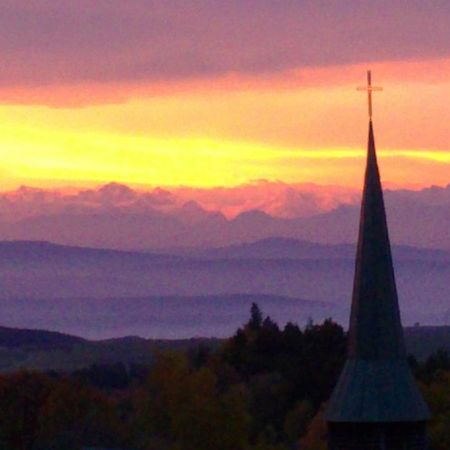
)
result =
(256, 317)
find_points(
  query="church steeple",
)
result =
(376, 398)
(375, 328)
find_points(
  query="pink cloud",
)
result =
(65, 42)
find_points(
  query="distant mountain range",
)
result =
(100, 293)
(286, 248)
(45, 252)
(115, 216)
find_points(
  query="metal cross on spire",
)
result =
(369, 88)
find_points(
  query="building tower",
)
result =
(375, 404)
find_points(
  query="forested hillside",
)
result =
(265, 388)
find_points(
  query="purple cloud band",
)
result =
(46, 42)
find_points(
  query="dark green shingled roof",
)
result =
(376, 384)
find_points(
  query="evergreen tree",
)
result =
(256, 317)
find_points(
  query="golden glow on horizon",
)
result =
(210, 136)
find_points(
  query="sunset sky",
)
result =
(219, 93)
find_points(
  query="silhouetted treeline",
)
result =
(11, 338)
(264, 389)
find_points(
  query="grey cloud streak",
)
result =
(47, 42)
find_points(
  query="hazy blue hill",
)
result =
(17, 252)
(411, 222)
(104, 293)
(36, 339)
(286, 248)
(277, 248)
(106, 229)
(156, 317)
(43, 252)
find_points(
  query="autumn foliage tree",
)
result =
(21, 398)
(264, 389)
(182, 407)
(38, 412)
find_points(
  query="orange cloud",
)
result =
(304, 125)
(83, 94)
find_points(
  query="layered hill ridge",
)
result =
(268, 248)
(116, 216)
(185, 292)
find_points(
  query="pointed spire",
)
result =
(375, 326)
(376, 384)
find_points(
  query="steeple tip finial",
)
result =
(369, 88)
